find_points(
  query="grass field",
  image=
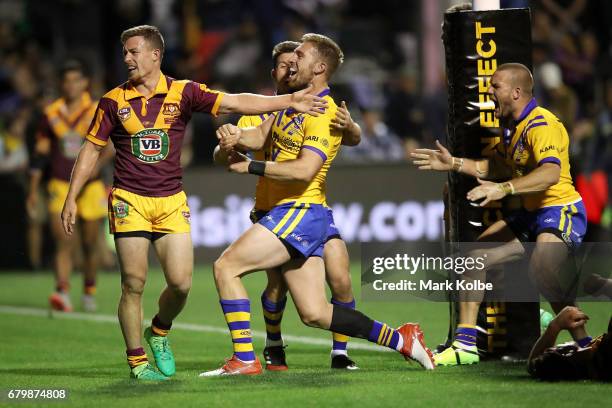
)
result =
(87, 358)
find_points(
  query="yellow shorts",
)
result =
(131, 214)
(91, 203)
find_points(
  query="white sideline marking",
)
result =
(102, 318)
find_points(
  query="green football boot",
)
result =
(145, 372)
(453, 356)
(160, 346)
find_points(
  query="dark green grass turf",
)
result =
(88, 359)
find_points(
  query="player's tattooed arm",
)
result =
(351, 131)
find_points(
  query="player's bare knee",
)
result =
(132, 286)
(312, 317)
(222, 269)
(180, 287)
(342, 289)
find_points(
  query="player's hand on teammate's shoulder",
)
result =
(342, 121)
(229, 136)
(303, 101)
(570, 318)
(238, 162)
(429, 159)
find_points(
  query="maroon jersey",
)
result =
(148, 132)
(66, 133)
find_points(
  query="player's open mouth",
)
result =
(130, 69)
(292, 73)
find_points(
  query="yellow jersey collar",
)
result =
(527, 110)
(160, 89)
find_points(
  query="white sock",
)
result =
(335, 353)
(400, 343)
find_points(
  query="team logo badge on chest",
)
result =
(151, 145)
(124, 113)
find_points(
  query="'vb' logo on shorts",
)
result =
(121, 209)
(150, 145)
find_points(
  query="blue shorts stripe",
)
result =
(289, 221)
(568, 222)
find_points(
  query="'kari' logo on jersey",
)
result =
(124, 113)
(547, 148)
(151, 145)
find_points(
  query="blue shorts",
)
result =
(332, 230)
(303, 227)
(568, 222)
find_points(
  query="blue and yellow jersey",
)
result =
(539, 138)
(292, 132)
(261, 192)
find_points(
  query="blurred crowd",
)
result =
(227, 45)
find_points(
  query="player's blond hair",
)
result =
(150, 33)
(327, 48)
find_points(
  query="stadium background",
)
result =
(393, 82)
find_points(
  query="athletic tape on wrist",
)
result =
(257, 167)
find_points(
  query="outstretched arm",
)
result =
(252, 104)
(442, 160)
